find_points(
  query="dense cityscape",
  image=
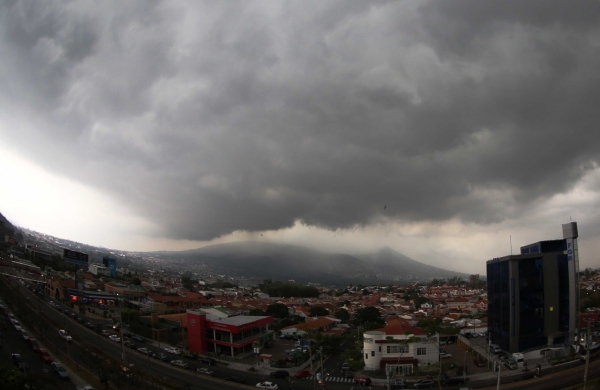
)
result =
(433, 333)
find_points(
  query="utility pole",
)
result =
(499, 371)
(587, 357)
(322, 376)
(311, 366)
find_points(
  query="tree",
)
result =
(278, 310)
(136, 281)
(186, 280)
(257, 312)
(318, 311)
(369, 317)
(343, 315)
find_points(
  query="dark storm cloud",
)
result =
(213, 117)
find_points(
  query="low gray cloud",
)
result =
(209, 118)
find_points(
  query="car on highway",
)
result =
(139, 339)
(45, 356)
(18, 361)
(209, 361)
(348, 374)
(204, 371)
(60, 370)
(115, 338)
(267, 385)
(173, 351)
(363, 380)
(145, 351)
(345, 367)
(423, 383)
(302, 374)
(129, 344)
(160, 356)
(89, 325)
(106, 332)
(180, 363)
(279, 374)
(64, 335)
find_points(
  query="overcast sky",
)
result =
(442, 129)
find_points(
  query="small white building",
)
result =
(98, 269)
(399, 354)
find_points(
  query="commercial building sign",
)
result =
(75, 257)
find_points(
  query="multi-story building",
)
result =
(533, 296)
(397, 352)
(229, 335)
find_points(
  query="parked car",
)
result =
(179, 363)
(363, 380)
(302, 374)
(145, 351)
(478, 362)
(65, 335)
(279, 374)
(18, 361)
(267, 385)
(89, 325)
(139, 339)
(445, 355)
(115, 338)
(34, 345)
(510, 364)
(209, 361)
(45, 355)
(204, 371)
(60, 370)
(172, 350)
(24, 334)
(424, 383)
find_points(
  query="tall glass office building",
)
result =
(533, 297)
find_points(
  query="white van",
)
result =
(519, 358)
(495, 348)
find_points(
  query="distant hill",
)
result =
(8, 229)
(283, 262)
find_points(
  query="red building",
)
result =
(230, 335)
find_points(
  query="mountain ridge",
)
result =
(305, 265)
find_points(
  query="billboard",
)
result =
(75, 257)
(111, 264)
(10, 240)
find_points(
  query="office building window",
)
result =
(421, 351)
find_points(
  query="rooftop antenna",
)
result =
(510, 238)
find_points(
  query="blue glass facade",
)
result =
(529, 297)
(531, 303)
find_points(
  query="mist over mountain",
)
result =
(289, 262)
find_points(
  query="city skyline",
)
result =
(451, 132)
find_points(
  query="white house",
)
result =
(398, 352)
